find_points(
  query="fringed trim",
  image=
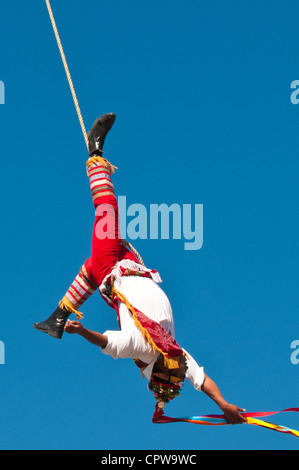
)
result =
(170, 363)
(122, 268)
(67, 305)
(97, 160)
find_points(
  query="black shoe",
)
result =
(54, 325)
(98, 132)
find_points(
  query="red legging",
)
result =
(107, 247)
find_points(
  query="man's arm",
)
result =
(231, 412)
(75, 327)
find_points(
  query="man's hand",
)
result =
(73, 327)
(232, 414)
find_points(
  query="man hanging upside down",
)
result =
(144, 314)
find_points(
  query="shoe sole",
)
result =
(49, 332)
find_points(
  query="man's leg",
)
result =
(79, 291)
(106, 240)
(105, 252)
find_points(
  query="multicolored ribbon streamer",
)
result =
(220, 420)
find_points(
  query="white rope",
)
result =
(66, 68)
(67, 71)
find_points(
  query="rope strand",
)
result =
(66, 68)
(67, 72)
(128, 245)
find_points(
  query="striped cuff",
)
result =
(79, 291)
(99, 173)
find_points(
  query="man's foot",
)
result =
(54, 325)
(98, 132)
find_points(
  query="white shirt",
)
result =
(145, 295)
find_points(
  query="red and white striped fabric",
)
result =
(100, 181)
(81, 289)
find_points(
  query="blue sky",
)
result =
(202, 96)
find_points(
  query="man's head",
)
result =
(166, 383)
